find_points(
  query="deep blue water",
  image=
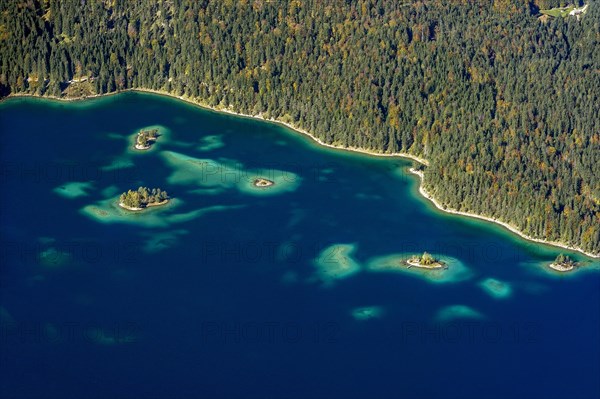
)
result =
(230, 303)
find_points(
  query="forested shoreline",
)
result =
(503, 106)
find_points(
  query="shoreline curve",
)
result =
(424, 193)
(422, 161)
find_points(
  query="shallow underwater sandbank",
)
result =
(336, 262)
(456, 312)
(226, 174)
(496, 288)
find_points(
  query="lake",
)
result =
(295, 290)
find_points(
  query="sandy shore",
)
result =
(141, 148)
(513, 229)
(560, 268)
(129, 208)
(423, 161)
(434, 266)
(163, 202)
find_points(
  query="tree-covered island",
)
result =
(426, 261)
(563, 263)
(145, 139)
(142, 198)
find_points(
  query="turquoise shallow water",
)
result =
(232, 291)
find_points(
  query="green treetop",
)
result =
(427, 259)
(563, 259)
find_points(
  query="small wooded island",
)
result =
(425, 261)
(563, 263)
(261, 182)
(145, 139)
(143, 198)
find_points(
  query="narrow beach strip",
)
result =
(423, 161)
(507, 226)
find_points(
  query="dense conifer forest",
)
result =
(504, 105)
